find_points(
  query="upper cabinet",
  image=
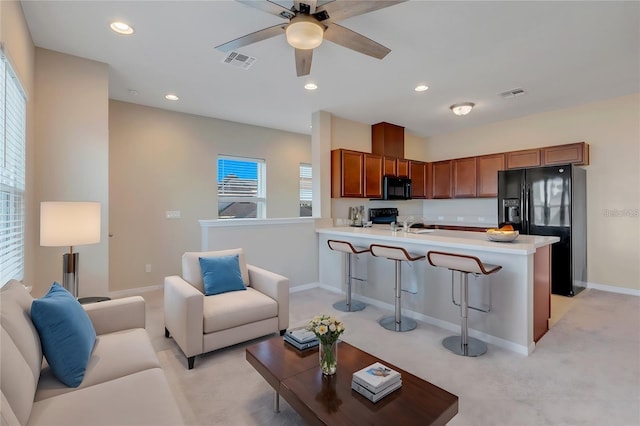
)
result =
(575, 153)
(464, 177)
(524, 158)
(418, 176)
(347, 173)
(395, 167)
(372, 175)
(487, 168)
(387, 140)
(441, 179)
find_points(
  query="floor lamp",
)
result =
(68, 224)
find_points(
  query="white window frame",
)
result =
(306, 185)
(13, 106)
(260, 198)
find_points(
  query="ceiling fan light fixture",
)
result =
(304, 32)
(463, 108)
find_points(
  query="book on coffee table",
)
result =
(300, 346)
(376, 377)
(375, 397)
(301, 335)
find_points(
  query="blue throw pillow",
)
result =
(66, 334)
(221, 274)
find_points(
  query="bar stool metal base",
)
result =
(355, 306)
(406, 324)
(474, 346)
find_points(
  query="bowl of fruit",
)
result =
(505, 233)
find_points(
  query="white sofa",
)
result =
(201, 324)
(123, 382)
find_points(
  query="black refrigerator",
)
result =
(550, 201)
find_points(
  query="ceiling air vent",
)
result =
(239, 60)
(512, 93)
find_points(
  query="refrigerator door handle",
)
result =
(526, 203)
(523, 210)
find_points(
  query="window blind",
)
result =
(12, 174)
(305, 182)
(237, 178)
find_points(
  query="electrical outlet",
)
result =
(147, 267)
(172, 214)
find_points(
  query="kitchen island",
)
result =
(519, 293)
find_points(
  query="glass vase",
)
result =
(328, 358)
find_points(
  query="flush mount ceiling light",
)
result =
(304, 32)
(463, 108)
(171, 97)
(311, 86)
(421, 88)
(121, 28)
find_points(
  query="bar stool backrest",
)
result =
(461, 262)
(392, 252)
(346, 247)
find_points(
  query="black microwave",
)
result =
(396, 188)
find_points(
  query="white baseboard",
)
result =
(614, 289)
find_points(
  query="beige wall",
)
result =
(18, 46)
(72, 157)
(612, 129)
(162, 160)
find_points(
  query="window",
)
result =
(306, 190)
(12, 173)
(241, 188)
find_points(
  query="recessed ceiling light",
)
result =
(463, 108)
(121, 28)
(311, 86)
(171, 97)
(421, 88)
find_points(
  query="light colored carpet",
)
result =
(585, 371)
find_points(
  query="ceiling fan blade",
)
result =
(355, 41)
(339, 10)
(252, 38)
(303, 61)
(269, 7)
(305, 6)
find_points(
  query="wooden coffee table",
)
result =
(321, 400)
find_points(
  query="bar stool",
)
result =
(348, 305)
(397, 254)
(465, 265)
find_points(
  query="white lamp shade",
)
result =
(69, 223)
(304, 32)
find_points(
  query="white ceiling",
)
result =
(561, 53)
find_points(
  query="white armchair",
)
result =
(201, 324)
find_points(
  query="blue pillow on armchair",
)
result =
(66, 334)
(221, 274)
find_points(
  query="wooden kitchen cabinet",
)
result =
(372, 175)
(418, 176)
(347, 173)
(487, 168)
(402, 167)
(575, 153)
(524, 158)
(389, 167)
(387, 139)
(464, 177)
(396, 167)
(441, 179)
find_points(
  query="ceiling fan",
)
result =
(309, 24)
